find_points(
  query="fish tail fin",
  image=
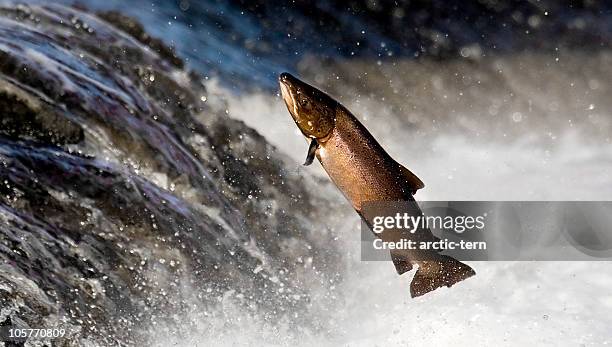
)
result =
(440, 272)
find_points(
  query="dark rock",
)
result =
(134, 28)
(119, 188)
(23, 119)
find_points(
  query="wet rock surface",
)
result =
(125, 188)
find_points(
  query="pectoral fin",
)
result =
(414, 183)
(312, 149)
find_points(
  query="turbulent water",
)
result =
(128, 193)
(144, 203)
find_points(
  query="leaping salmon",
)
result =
(364, 172)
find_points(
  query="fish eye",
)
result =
(304, 102)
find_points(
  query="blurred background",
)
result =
(170, 111)
(523, 77)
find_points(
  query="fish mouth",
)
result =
(287, 87)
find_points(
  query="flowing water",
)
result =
(521, 127)
(142, 202)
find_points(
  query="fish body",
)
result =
(359, 167)
(364, 172)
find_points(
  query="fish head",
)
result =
(313, 111)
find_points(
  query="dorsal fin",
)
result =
(414, 183)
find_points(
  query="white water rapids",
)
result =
(534, 129)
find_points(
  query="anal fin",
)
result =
(402, 265)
